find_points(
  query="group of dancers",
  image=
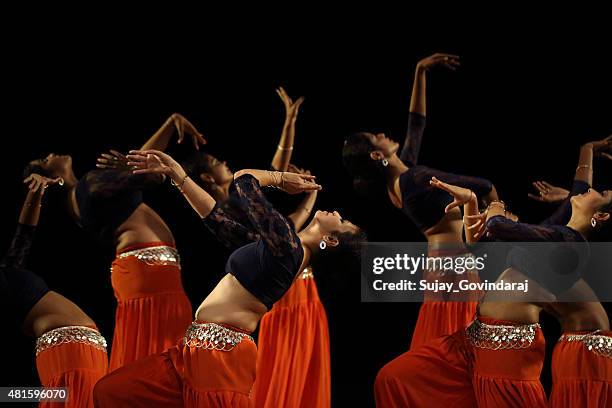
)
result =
(161, 356)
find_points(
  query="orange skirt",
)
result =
(293, 366)
(195, 373)
(73, 357)
(441, 314)
(455, 371)
(582, 377)
(153, 310)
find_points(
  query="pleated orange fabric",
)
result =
(293, 366)
(581, 377)
(442, 313)
(184, 376)
(153, 310)
(509, 377)
(451, 371)
(436, 374)
(65, 361)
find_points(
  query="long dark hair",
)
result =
(195, 165)
(368, 175)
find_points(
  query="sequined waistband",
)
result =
(596, 343)
(501, 337)
(212, 336)
(156, 255)
(306, 274)
(70, 334)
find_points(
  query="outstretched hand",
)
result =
(112, 160)
(460, 195)
(295, 183)
(548, 193)
(155, 162)
(448, 61)
(292, 108)
(38, 184)
(182, 126)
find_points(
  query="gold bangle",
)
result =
(584, 166)
(284, 148)
(305, 209)
(182, 183)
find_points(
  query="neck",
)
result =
(580, 223)
(310, 241)
(70, 181)
(395, 168)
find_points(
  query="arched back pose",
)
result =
(373, 161)
(214, 365)
(497, 360)
(70, 351)
(152, 308)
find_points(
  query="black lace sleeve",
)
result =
(109, 183)
(274, 230)
(563, 214)
(503, 229)
(19, 250)
(227, 230)
(414, 137)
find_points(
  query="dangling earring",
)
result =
(593, 222)
(385, 162)
(322, 244)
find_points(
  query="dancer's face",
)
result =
(591, 202)
(55, 165)
(218, 171)
(383, 144)
(332, 222)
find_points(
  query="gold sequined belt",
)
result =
(70, 334)
(307, 274)
(212, 336)
(501, 337)
(157, 255)
(596, 343)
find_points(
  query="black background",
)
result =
(513, 113)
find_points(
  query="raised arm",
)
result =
(176, 121)
(418, 106)
(467, 198)
(284, 150)
(19, 249)
(583, 178)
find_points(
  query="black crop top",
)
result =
(269, 253)
(106, 198)
(20, 289)
(421, 202)
(556, 268)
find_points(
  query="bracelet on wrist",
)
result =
(284, 148)
(181, 184)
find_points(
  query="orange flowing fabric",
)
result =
(581, 377)
(439, 314)
(451, 372)
(153, 310)
(63, 360)
(293, 366)
(184, 376)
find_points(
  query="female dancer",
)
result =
(293, 363)
(497, 360)
(152, 307)
(373, 161)
(214, 365)
(70, 351)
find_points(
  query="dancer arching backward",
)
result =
(374, 163)
(293, 362)
(152, 308)
(497, 360)
(214, 365)
(70, 352)
(582, 358)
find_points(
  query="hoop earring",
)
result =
(322, 244)
(593, 222)
(61, 181)
(385, 162)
